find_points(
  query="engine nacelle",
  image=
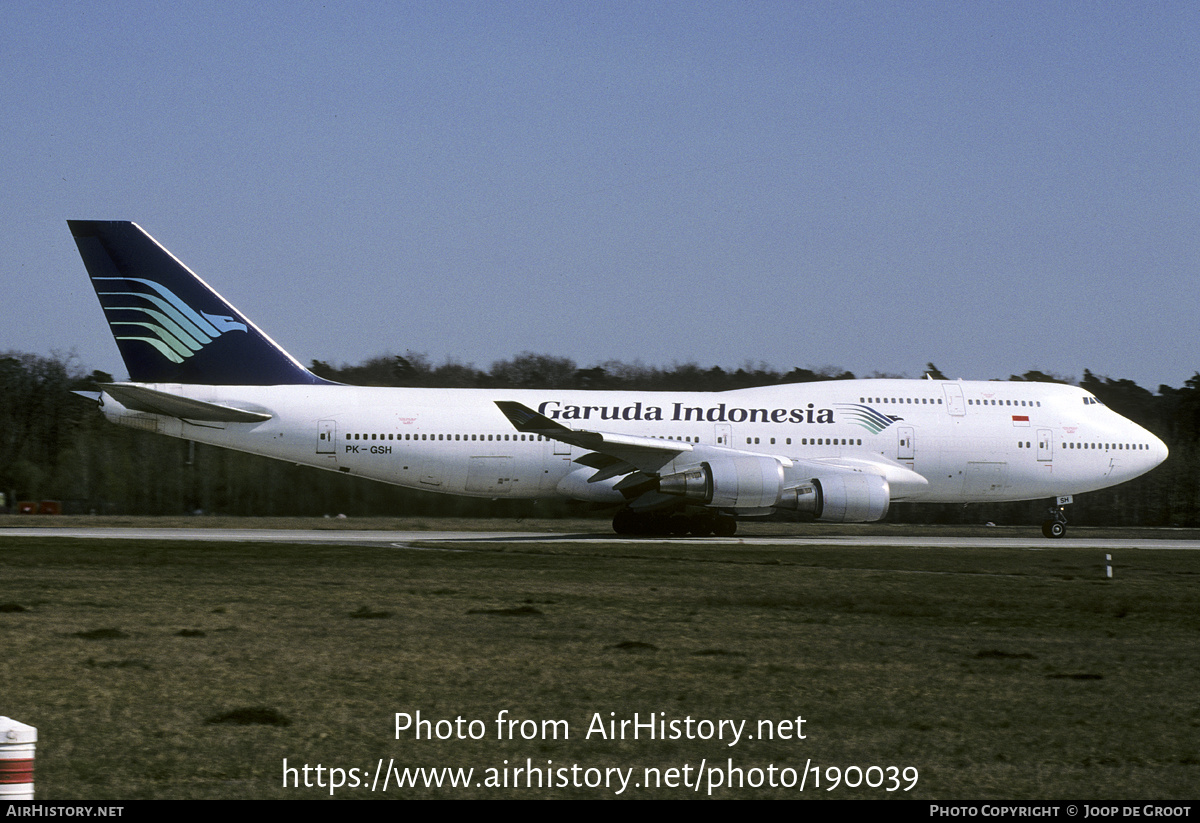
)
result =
(841, 498)
(739, 482)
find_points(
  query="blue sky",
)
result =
(994, 187)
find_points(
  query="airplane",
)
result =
(670, 462)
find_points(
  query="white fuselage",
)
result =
(936, 441)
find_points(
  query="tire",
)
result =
(625, 522)
(725, 527)
(1054, 528)
(678, 525)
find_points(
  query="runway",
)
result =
(401, 539)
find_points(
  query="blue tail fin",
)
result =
(170, 326)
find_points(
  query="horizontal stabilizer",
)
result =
(152, 401)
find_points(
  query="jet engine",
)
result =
(739, 482)
(751, 482)
(840, 498)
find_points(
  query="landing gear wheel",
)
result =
(678, 525)
(657, 524)
(1056, 524)
(1054, 528)
(625, 522)
(725, 527)
(648, 524)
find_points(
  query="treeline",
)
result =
(56, 445)
(543, 371)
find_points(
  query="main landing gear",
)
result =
(1056, 525)
(660, 524)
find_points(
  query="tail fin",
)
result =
(170, 326)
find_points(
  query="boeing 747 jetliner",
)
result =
(670, 462)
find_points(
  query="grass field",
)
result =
(994, 673)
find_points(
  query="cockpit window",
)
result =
(1091, 401)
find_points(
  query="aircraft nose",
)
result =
(1158, 450)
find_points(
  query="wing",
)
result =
(640, 459)
(645, 453)
(659, 472)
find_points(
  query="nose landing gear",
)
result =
(1056, 525)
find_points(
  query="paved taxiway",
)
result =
(402, 538)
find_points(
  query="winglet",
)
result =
(627, 447)
(526, 420)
